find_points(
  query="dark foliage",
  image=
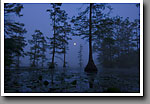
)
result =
(13, 31)
(61, 30)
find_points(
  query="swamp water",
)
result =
(70, 80)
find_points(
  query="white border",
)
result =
(72, 94)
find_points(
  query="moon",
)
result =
(74, 44)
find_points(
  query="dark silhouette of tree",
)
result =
(9, 49)
(11, 28)
(61, 29)
(104, 41)
(65, 32)
(55, 16)
(116, 41)
(127, 42)
(85, 25)
(20, 43)
(36, 50)
(136, 32)
(118, 33)
(90, 66)
(13, 8)
(66, 29)
(80, 56)
(43, 50)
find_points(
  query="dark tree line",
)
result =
(118, 42)
(114, 39)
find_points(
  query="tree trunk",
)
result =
(34, 59)
(18, 61)
(43, 57)
(37, 58)
(64, 51)
(91, 67)
(53, 56)
(64, 58)
(137, 40)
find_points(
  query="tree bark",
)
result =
(91, 67)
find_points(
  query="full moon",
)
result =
(74, 44)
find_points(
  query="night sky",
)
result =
(36, 17)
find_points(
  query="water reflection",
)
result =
(62, 81)
(66, 80)
(52, 76)
(91, 78)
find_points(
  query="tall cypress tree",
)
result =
(65, 32)
(55, 16)
(80, 56)
(85, 25)
(43, 50)
(61, 29)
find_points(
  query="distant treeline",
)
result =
(114, 39)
